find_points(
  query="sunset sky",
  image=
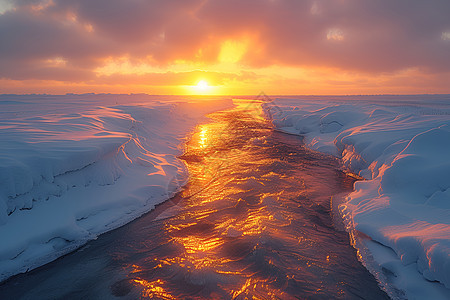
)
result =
(229, 47)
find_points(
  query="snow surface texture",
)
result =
(401, 145)
(75, 166)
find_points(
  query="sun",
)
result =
(202, 86)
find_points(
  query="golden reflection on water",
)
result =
(258, 290)
(203, 136)
(150, 289)
(194, 245)
(202, 250)
(153, 289)
(234, 204)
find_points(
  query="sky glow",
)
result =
(238, 47)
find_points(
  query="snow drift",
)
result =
(401, 145)
(75, 166)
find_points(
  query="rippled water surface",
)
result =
(254, 222)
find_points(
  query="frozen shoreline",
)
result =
(401, 213)
(59, 153)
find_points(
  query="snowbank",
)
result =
(75, 166)
(401, 145)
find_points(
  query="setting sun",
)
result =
(202, 87)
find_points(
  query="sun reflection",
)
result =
(252, 287)
(203, 137)
(153, 289)
(255, 222)
(253, 106)
(243, 288)
(194, 244)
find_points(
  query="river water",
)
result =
(254, 222)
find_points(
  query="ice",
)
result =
(75, 166)
(401, 145)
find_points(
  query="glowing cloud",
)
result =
(232, 51)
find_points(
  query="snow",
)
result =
(401, 213)
(75, 166)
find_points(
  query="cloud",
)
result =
(371, 37)
(175, 78)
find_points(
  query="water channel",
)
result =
(254, 222)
